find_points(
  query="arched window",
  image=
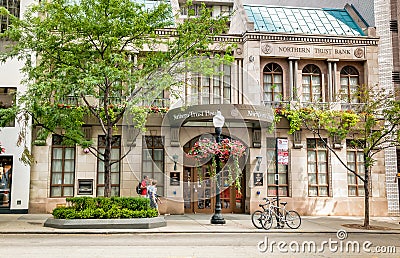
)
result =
(273, 88)
(349, 82)
(311, 87)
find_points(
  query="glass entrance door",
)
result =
(6, 164)
(204, 191)
(199, 192)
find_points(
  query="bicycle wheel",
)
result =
(257, 218)
(268, 221)
(293, 219)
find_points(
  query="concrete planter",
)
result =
(137, 223)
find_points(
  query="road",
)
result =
(200, 245)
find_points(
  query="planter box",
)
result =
(139, 223)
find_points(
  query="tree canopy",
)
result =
(103, 58)
(371, 125)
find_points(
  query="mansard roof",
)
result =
(302, 20)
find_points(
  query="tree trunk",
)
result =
(107, 164)
(366, 198)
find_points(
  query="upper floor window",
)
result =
(13, 6)
(193, 10)
(7, 100)
(312, 88)
(349, 82)
(224, 10)
(210, 90)
(273, 82)
(162, 100)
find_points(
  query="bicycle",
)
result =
(259, 216)
(283, 216)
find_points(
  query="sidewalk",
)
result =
(200, 223)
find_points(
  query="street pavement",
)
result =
(200, 223)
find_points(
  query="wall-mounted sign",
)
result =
(283, 151)
(258, 179)
(174, 178)
(312, 51)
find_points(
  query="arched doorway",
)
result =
(199, 187)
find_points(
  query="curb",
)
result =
(110, 232)
(137, 223)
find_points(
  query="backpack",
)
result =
(138, 188)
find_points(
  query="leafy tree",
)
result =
(117, 52)
(373, 124)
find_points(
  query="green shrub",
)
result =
(99, 213)
(105, 208)
(64, 213)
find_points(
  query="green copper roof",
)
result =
(302, 20)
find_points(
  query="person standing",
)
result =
(152, 194)
(143, 186)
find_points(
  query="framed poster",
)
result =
(258, 179)
(174, 178)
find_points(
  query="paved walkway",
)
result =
(200, 223)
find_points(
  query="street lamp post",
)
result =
(218, 121)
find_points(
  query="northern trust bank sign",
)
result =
(311, 51)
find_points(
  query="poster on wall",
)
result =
(174, 178)
(283, 151)
(258, 179)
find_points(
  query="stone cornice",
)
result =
(289, 38)
(313, 39)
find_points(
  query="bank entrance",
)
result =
(199, 192)
(199, 188)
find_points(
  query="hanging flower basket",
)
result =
(226, 150)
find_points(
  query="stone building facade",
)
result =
(281, 56)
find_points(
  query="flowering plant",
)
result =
(156, 110)
(226, 150)
(2, 150)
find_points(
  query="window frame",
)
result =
(316, 148)
(272, 69)
(152, 147)
(346, 95)
(283, 170)
(312, 71)
(58, 144)
(8, 92)
(14, 9)
(205, 90)
(352, 148)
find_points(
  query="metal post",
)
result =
(277, 178)
(217, 217)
